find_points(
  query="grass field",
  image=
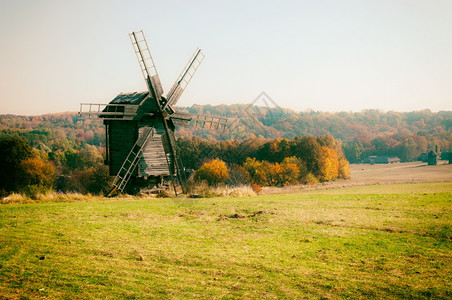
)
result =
(379, 241)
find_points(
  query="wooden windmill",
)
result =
(140, 142)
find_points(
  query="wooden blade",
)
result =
(108, 111)
(211, 122)
(147, 64)
(185, 77)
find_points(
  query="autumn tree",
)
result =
(275, 150)
(264, 173)
(294, 161)
(259, 171)
(308, 150)
(87, 157)
(285, 173)
(354, 150)
(328, 164)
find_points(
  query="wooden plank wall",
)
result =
(122, 137)
(153, 161)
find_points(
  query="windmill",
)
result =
(140, 144)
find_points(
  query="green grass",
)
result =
(389, 241)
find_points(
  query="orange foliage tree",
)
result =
(213, 172)
(35, 171)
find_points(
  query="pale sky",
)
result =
(336, 55)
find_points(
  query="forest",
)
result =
(369, 132)
(305, 146)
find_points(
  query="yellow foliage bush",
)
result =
(264, 173)
(213, 172)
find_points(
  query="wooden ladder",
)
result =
(130, 163)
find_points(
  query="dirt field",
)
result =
(400, 173)
(366, 174)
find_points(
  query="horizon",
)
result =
(323, 56)
(308, 110)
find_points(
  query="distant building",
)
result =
(374, 159)
(432, 158)
(447, 156)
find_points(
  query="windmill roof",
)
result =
(134, 98)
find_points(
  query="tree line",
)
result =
(261, 162)
(65, 151)
(31, 171)
(369, 132)
(265, 162)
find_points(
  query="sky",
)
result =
(322, 55)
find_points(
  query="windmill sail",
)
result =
(147, 64)
(185, 77)
(211, 122)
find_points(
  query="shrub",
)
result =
(35, 171)
(242, 191)
(213, 172)
(33, 191)
(264, 173)
(98, 179)
(238, 176)
(203, 190)
(94, 180)
(310, 179)
(256, 188)
(344, 168)
(289, 173)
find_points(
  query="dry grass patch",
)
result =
(205, 191)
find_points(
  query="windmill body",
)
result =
(123, 133)
(141, 147)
